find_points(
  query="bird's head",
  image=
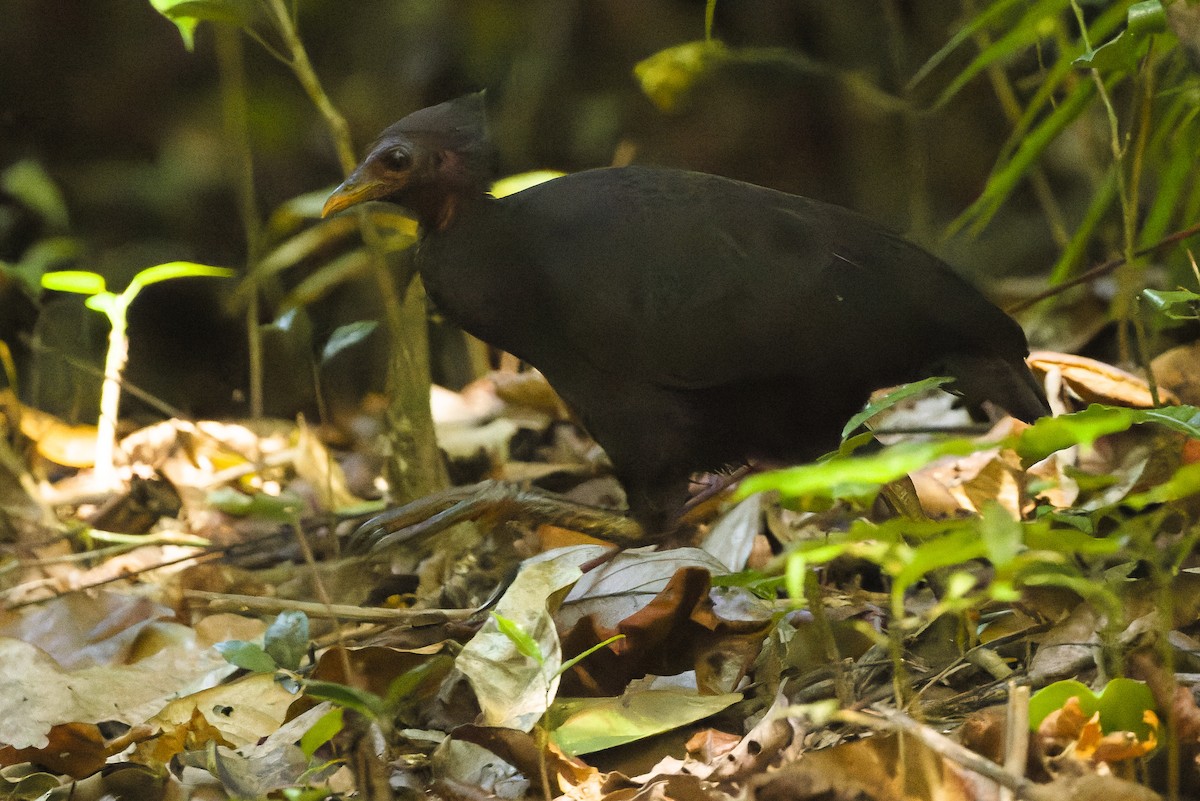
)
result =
(428, 162)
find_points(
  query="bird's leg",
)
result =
(491, 499)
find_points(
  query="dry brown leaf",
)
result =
(1093, 381)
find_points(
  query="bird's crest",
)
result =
(459, 124)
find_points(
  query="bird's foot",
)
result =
(491, 500)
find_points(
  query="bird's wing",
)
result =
(684, 280)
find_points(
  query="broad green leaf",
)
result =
(346, 335)
(856, 475)
(1177, 304)
(1003, 537)
(286, 639)
(595, 724)
(892, 399)
(952, 549)
(1051, 434)
(1122, 705)
(172, 270)
(81, 282)
(246, 655)
(187, 14)
(325, 729)
(1123, 53)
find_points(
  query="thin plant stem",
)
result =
(236, 116)
(415, 467)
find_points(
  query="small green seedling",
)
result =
(115, 307)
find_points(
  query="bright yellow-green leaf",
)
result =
(81, 282)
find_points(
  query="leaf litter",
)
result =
(805, 647)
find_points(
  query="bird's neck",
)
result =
(438, 208)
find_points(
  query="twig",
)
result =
(892, 721)
(222, 602)
(1103, 269)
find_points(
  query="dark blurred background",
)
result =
(104, 95)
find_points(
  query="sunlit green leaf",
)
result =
(172, 270)
(187, 14)
(1051, 434)
(526, 645)
(325, 729)
(282, 507)
(849, 477)
(1122, 705)
(593, 724)
(667, 77)
(893, 398)
(81, 282)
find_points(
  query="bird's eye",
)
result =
(398, 159)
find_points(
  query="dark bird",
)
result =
(691, 321)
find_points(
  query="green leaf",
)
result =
(856, 476)
(246, 655)
(990, 14)
(346, 335)
(286, 639)
(170, 271)
(282, 507)
(325, 729)
(893, 398)
(1177, 304)
(187, 14)
(527, 646)
(1051, 434)
(81, 282)
(1003, 537)
(668, 76)
(29, 182)
(361, 701)
(1123, 53)
(593, 724)
(1184, 483)
(105, 302)
(1004, 179)
(1122, 705)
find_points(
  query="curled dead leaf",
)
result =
(1093, 381)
